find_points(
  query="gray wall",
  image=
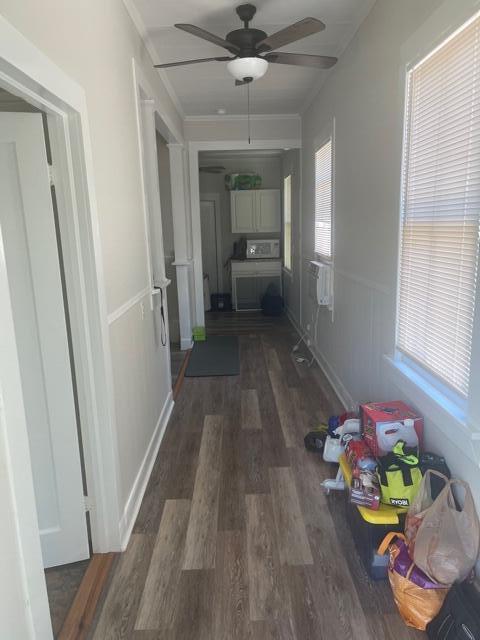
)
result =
(365, 95)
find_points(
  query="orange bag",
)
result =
(418, 599)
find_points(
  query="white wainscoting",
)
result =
(350, 347)
(143, 400)
(135, 498)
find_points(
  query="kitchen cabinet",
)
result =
(256, 211)
(250, 280)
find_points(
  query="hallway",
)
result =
(235, 538)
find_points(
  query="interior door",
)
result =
(268, 210)
(209, 242)
(34, 276)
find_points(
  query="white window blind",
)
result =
(323, 201)
(440, 209)
(287, 222)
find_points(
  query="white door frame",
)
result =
(179, 187)
(215, 198)
(194, 148)
(150, 119)
(26, 72)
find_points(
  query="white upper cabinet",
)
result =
(256, 211)
(243, 211)
(267, 210)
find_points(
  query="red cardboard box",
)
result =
(375, 415)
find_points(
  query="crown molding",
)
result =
(243, 118)
(137, 20)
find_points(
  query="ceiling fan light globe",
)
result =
(242, 68)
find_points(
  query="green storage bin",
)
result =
(199, 334)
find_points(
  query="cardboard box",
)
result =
(375, 416)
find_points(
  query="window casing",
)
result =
(287, 222)
(440, 212)
(324, 200)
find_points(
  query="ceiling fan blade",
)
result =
(183, 62)
(294, 32)
(206, 35)
(217, 169)
(301, 59)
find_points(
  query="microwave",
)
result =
(258, 249)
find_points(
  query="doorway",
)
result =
(240, 233)
(39, 304)
(212, 255)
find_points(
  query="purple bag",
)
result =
(403, 564)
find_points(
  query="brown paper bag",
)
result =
(447, 539)
(419, 507)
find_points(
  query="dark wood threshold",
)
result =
(181, 375)
(80, 617)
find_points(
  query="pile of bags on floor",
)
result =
(382, 447)
(431, 564)
(439, 549)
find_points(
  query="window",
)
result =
(440, 210)
(287, 222)
(323, 201)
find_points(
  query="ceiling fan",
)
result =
(253, 49)
(212, 169)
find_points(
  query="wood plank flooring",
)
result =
(235, 538)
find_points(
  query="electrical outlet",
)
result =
(309, 342)
(308, 327)
(142, 309)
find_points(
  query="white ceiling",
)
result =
(204, 88)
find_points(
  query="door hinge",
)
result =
(87, 503)
(51, 175)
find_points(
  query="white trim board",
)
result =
(126, 306)
(243, 118)
(134, 501)
(234, 145)
(168, 130)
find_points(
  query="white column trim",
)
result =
(181, 222)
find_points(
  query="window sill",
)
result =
(323, 260)
(434, 406)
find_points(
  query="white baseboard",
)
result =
(337, 385)
(342, 393)
(135, 498)
(294, 321)
(185, 343)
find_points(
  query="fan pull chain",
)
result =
(248, 112)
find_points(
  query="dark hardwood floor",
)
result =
(62, 585)
(235, 538)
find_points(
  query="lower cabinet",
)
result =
(250, 282)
